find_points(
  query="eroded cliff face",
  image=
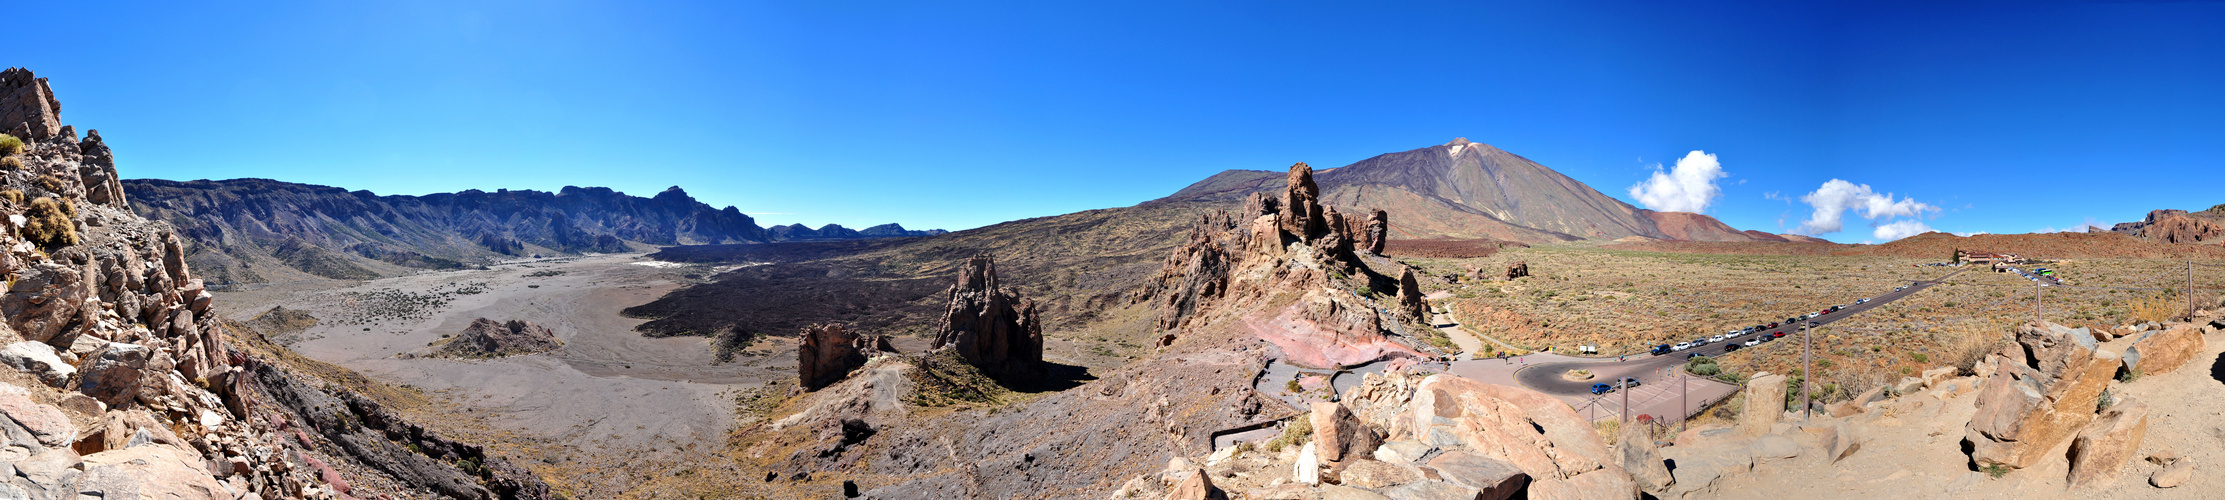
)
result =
(125, 382)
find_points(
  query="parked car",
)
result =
(1717, 338)
(1732, 347)
(1660, 349)
(1772, 324)
(1755, 342)
(1862, 301)
(1766, 338)
(1777, 335)
(1813, 315)
(1681, 346)
(1601, 388)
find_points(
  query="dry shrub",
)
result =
(9, 145)
(48, 223)
(11, 164)
(2157, 307)
(50, 183)
(14, 197)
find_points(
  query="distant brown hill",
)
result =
(1462, 189)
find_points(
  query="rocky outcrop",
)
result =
(104, 309)
(1543, 447)
(991, 327)
(1378, 231)
(2043, 390)
(28, 109)
(827, 352)
(2159, 352)
(1410, 296)
(2176, 226)
(1196, 272)
(487, 338)
(1518, 269)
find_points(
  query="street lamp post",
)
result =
(1807, 369)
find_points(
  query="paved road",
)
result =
(1657, 375)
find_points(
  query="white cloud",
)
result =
(2090, 225)
(1688, 187)
(1835, 197)
(1900, 229)
(1970, 234)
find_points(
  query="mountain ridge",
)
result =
(253, 230)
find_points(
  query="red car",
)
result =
(1777, 335)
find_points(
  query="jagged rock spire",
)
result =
(992, 328)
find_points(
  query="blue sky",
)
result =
(1998, 116)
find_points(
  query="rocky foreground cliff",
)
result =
(123, 383)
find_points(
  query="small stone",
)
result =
(1308, 467)
(2174, 475)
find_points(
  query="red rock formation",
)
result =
(828, 352)
(990, 327)
(1301, 203)
(1410, 296)
(2176, 226)
(1378, 231)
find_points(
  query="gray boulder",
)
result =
(39, 360)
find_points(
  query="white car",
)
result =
(1681, 346)
(1734, 334)
(1754, 342)
(1717, 338)
(1861, 301)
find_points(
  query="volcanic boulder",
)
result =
(2158, 352)
(990, 327)
(1518, 269)
(2042, 391)
(829, 352)
(486, 338)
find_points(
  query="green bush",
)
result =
(1704, 366)
(1919, 357)
(48, 223)
(9, 145)
(1298, 432)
